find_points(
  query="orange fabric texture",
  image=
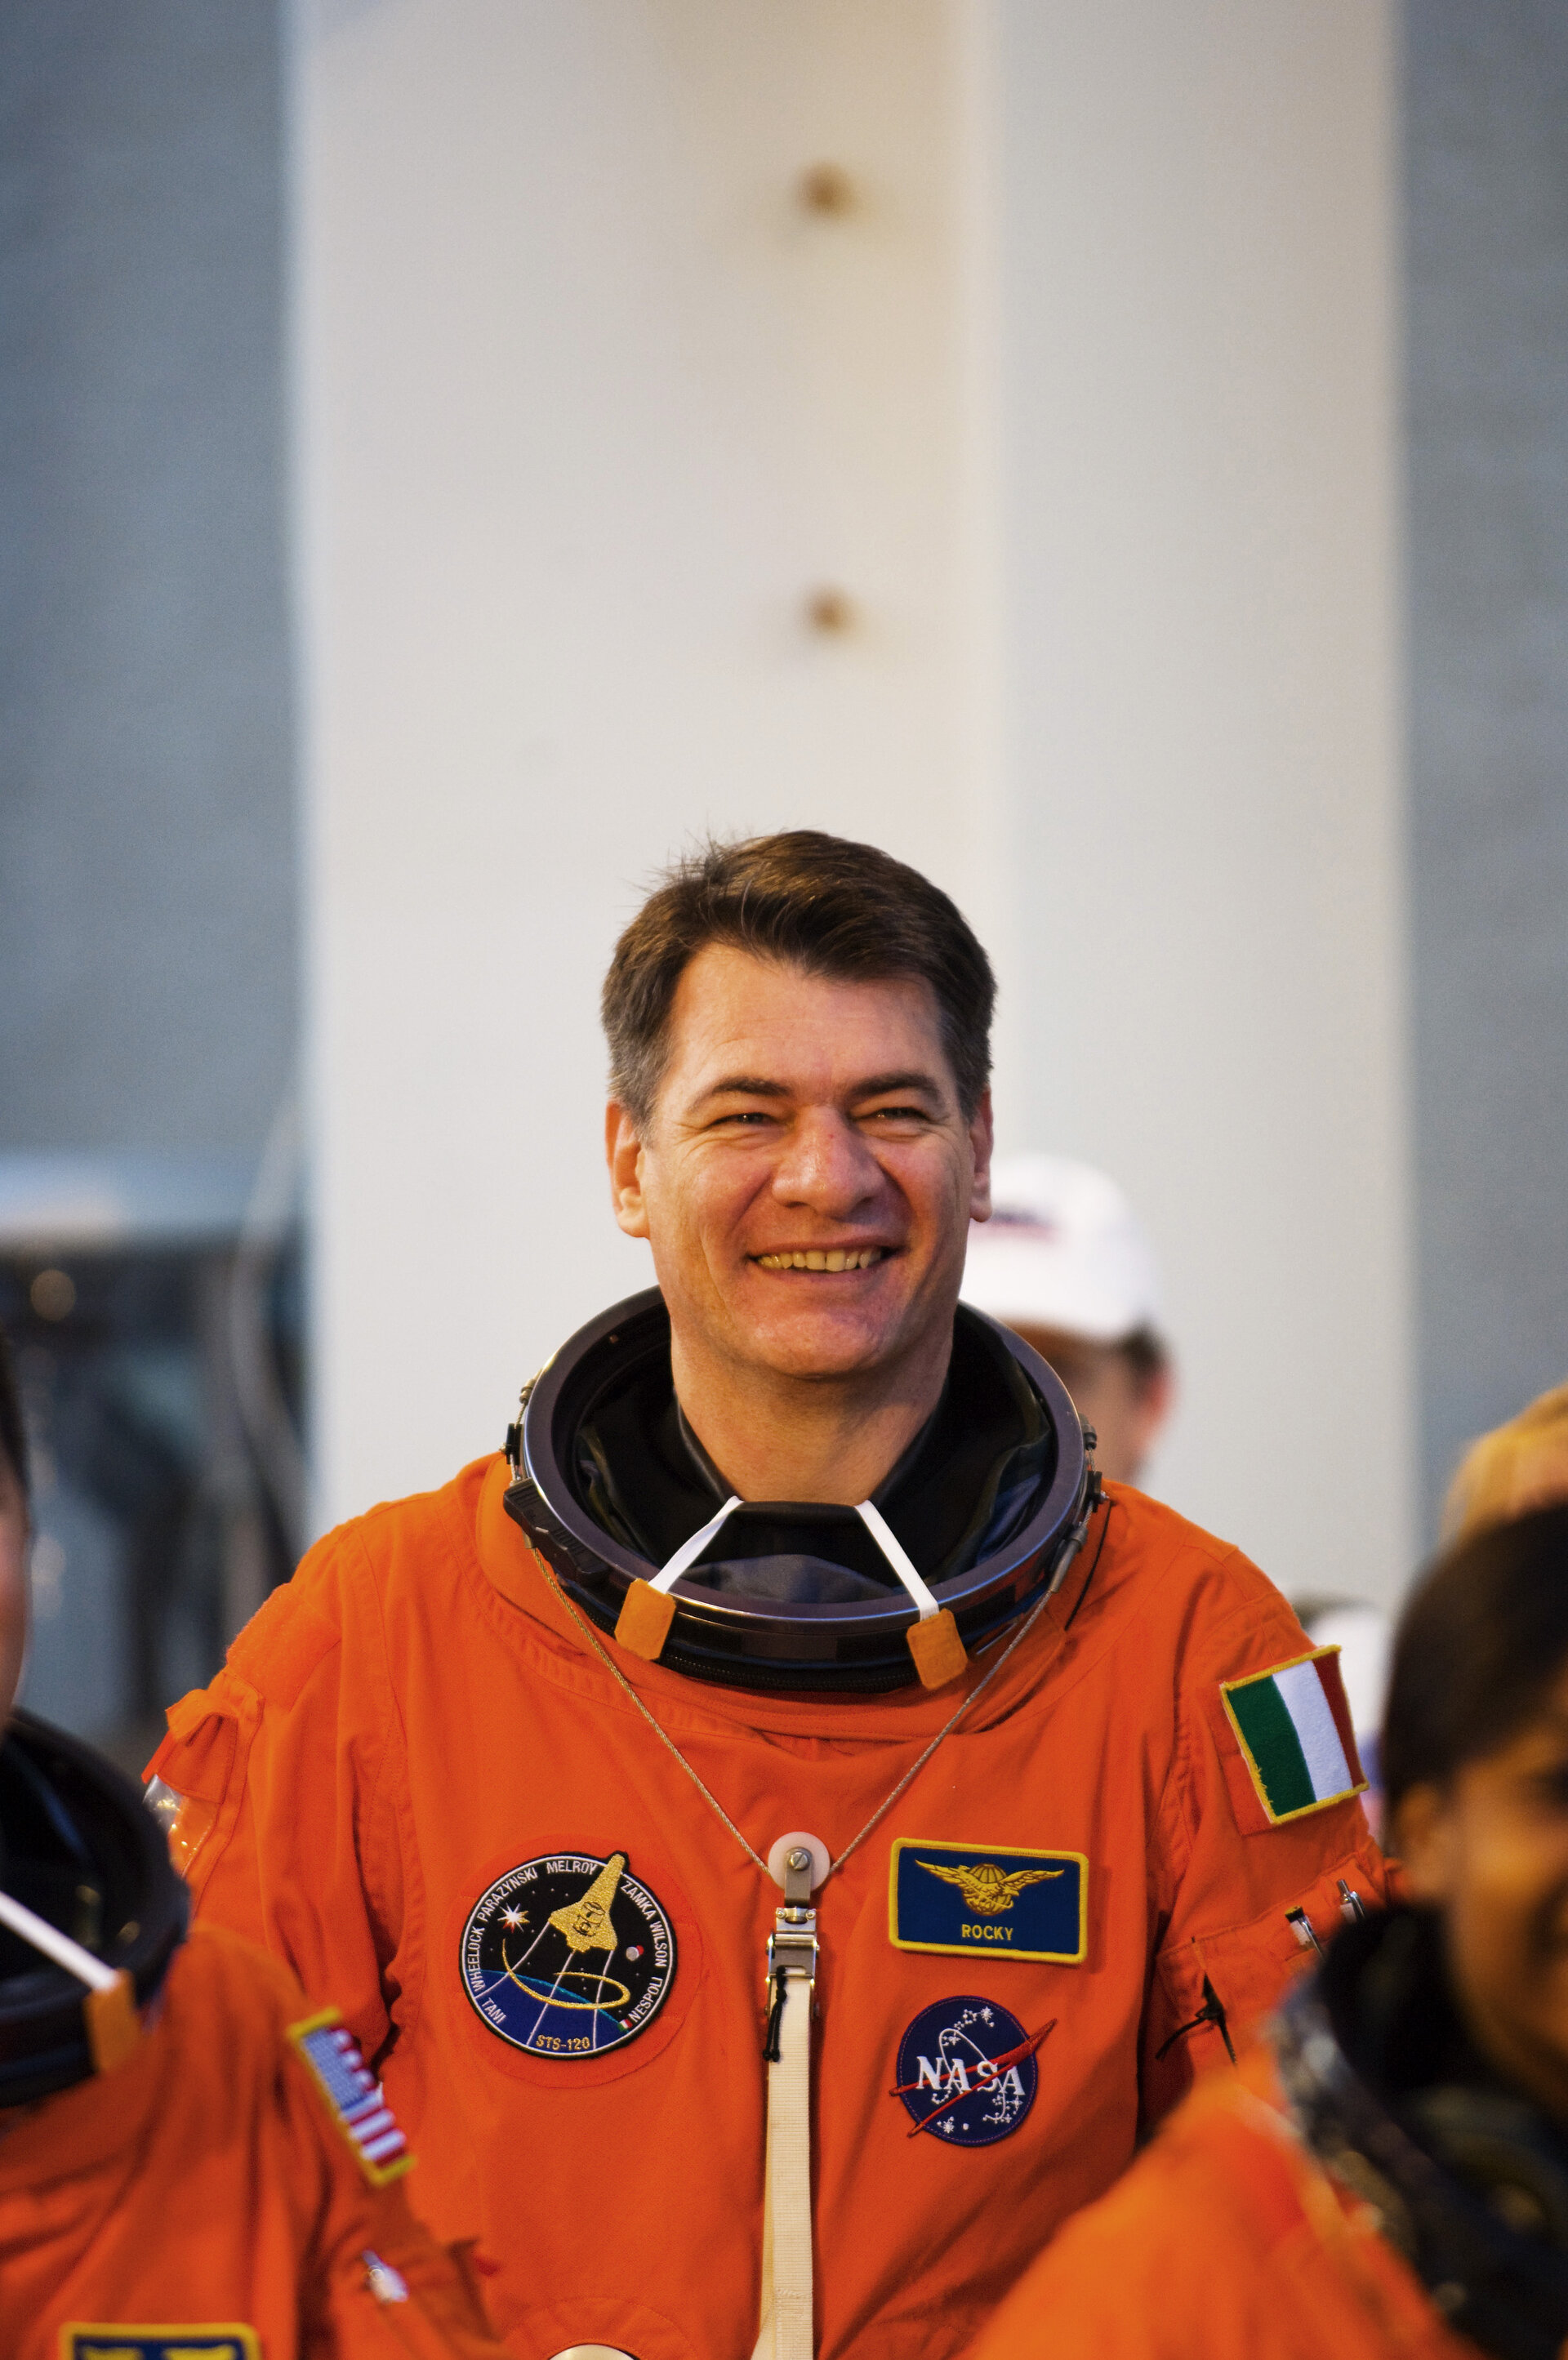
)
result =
(204, 2183)
(450, 1725)
(1225, 2239)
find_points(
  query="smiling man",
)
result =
(783, 1828)
(805, 1194)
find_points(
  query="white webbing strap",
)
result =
(690, 1550)
(786, 2327)
(893, 1548)
(56, 1946)
(875, 1522)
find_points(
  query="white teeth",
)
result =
(819, 1259)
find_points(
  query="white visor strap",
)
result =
(41, 1935)
(893, 1548)
(875, 1522)
(690, 1550)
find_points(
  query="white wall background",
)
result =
(1085, 404)
(1199, 383)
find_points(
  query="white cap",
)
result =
(1062, 1249)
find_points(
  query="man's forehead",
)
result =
(736, 1016)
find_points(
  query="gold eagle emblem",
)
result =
(987, 1889)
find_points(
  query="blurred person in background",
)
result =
(1389, 2172)
(193, 2163)
(1065, 1262)
(1515, 1467)
(1503, 1474)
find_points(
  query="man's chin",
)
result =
(819, 1346)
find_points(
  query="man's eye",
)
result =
(743, 1114)
(896, 1114)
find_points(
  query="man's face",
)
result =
(804, 1120)
(1490, 1851)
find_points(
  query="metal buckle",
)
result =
(793, 1945)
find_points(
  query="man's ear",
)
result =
(623, 1154)
(1422, 1837)
(982, 1139)
(1154, 1397)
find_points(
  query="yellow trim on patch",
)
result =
(113, 2334)
(317, 2023)
(1272, 1671)
(379, 2175)
(989, 1852)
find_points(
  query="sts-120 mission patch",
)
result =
(568, 1956)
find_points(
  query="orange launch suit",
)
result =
(418, 1713)
(203, 2197)
(1227, 2240)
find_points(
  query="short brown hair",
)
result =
(811, 901)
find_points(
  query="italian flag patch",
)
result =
(1292, 1725)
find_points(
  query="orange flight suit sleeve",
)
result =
(286, 1832)
(1225, 2240)
(433, 2312)
(1224, 1945)
(376, 2284)
(220, 2177)
(1163, 2268)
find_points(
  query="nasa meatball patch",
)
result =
(966, 2071)
(568, 1956)
(993, 1898)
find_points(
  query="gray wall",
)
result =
(148, 945)
(1486, 200)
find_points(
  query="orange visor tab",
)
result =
(934, 1642)
(939, 1651)
(114, 2028)
(643, 1624)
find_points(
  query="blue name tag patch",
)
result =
(995, 1900)
(122, 2342)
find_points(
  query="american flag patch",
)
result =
(354, 2094)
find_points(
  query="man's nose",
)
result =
(826, 1165)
